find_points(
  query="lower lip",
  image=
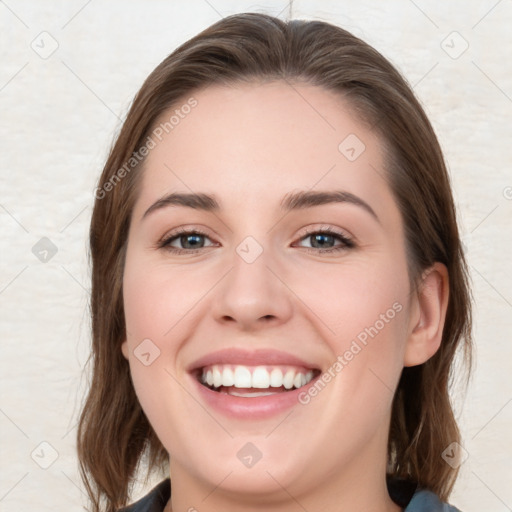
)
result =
(258, 407)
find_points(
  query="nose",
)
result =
(253, 295)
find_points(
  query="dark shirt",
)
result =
(403, 494)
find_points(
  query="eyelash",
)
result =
(346, 242)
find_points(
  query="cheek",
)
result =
(362, 316)
(158, 297)
(351, 298)
(152, 307)
(162, 303)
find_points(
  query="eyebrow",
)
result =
(196, 201)
(300, 200)
(292, 201)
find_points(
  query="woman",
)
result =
(279, 287)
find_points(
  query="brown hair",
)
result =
(114, 434)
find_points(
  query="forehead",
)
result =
(253, 143)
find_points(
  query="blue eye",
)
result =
(185, 241)
(327, 241)
(321, 241)
(192, 241)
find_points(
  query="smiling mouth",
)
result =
(254, 381)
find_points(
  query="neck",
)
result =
(330, 500)
(361, 487)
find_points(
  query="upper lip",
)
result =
(258, 357)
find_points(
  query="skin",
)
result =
(249, 146)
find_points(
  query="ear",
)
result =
(124, 348)
(428, 315)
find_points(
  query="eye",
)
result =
(185, 241)
(326, 240)
(319, 241)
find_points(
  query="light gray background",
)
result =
(58, 118)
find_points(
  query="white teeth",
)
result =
(242, 377)
(259, 377)
(288, 379)
(276, 378)
(228, 379)
(217, 377)
(251, 394)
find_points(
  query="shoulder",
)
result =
(154, 501)
(427, 501)
(414, 499)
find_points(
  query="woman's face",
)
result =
(266, 251)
